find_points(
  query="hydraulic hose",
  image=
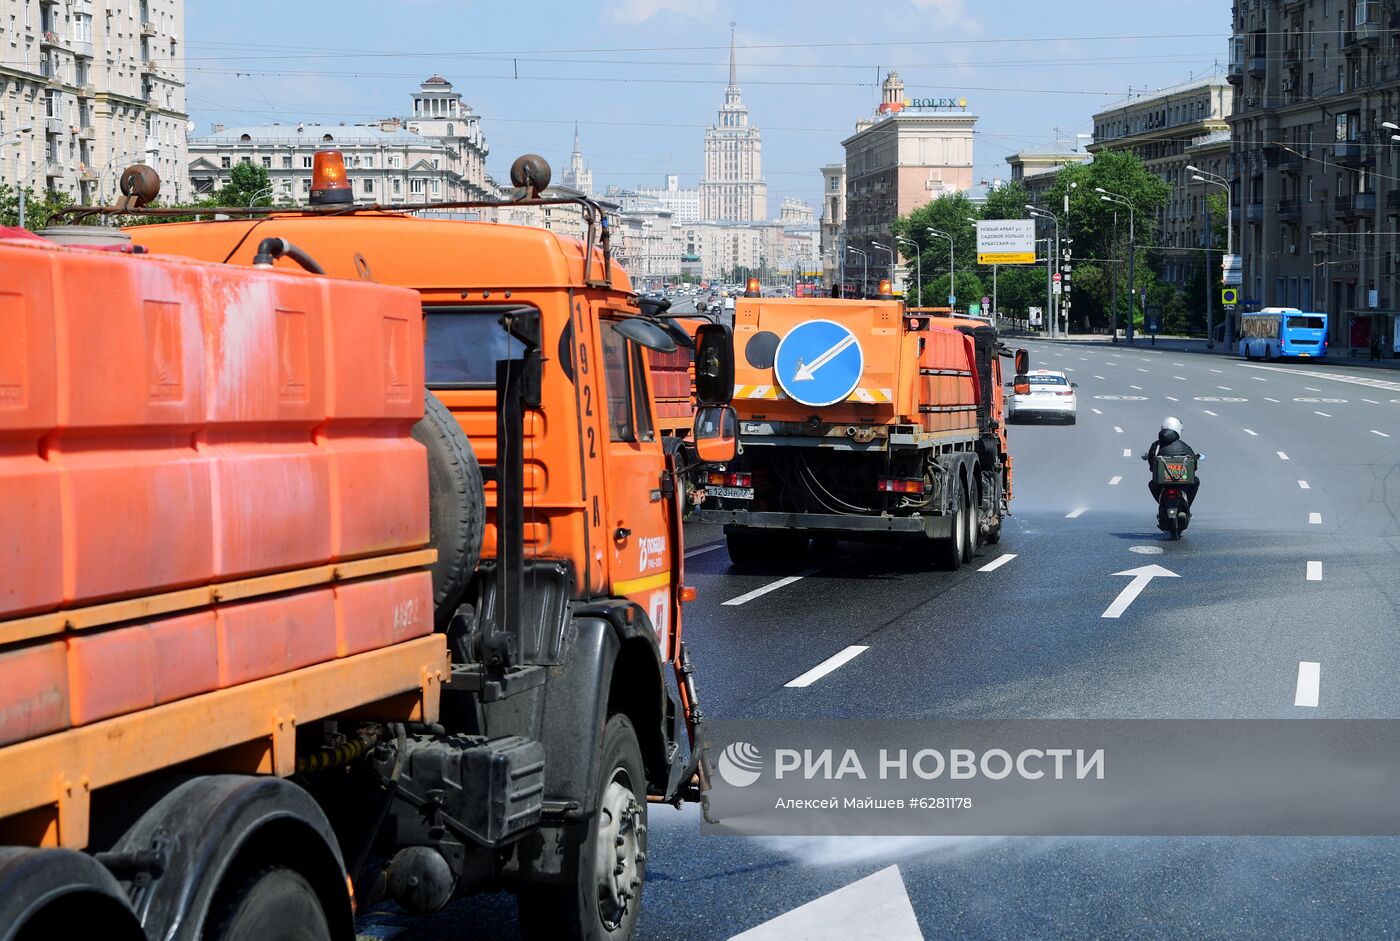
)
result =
(273, 248)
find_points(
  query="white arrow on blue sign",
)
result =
(819, 363)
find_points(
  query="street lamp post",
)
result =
(886, 248)
(1212, 179)
(918, 268)
(1108, 197)
(864, 269)
(952, 279)
(1053, 263)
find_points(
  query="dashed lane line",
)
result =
(1304, 485)
(703, 549)
(1314, 519)
(1381, 433)
(828, 665)
(1323, 414)
(1210, 413)
(1076, 513)
(1127, 452)
(1173, 398)
(1311, 389)
(1117, 429)
(1371, 401)
(1281, 455)
(1182, 378)
(1258, 378)
(1251, 433)
(1096, 411)
(1309, 679)
(1098, 377)
(1115, 481)
(1131, 386)
(1267, 399)
(1217, 370)
(1140, 369)
(771, 586)
(998, 562)
(1314, 571)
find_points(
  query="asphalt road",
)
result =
(1290, 560)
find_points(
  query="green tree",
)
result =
(39, 208)
(248, 186)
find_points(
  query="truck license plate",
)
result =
(730, 493)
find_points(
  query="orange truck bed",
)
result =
(207, 481)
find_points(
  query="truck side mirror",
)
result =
(716, 434)
(1023, 362)
(1022, 386)
(714, 364)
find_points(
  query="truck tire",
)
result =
(973, 527)
(766, 549)
(950, 553)
(269, 904)
(456, 505)
(597, 902)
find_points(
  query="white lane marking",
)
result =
(1098, 377)
(1314, 571)
(1131, 386)
(1145, 360)
(1304, 485)
(877, 906)
(1381, 433)
(1059, 354)
(1386, 384)
(826, 666)
(1141, 576)
(1173, 398)
(1210, 413)
(1226, 388)
(1117, 429)
(1371, 401)
(771, 586)
(1076, 513)
(1267, 399)
(1083, 359)
(703, 549)
(1315, 519)
(1140, 369)
(1179, 364)
(1323, 414)
(1127, 452)
(1096, 411)
(1309, 679)
(1259, 378)
(998, 562)
(1311, 389)
(1217, 370)
(1281, 455)
(1252, 434)
(1182, 378)
(1115, 481)
(1069, 369)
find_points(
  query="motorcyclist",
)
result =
(1169, 444)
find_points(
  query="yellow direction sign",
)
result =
(1006, 258)
(1229, 296)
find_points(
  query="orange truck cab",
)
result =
(527, 505)
(860, 419)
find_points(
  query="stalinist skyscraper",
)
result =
(732, 189)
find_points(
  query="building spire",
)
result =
(577, 148)
(733, 72)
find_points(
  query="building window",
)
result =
(415, 186)
(225, 162)
(267, 162)
(368, 185)
(306, 162)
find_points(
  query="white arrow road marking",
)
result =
(827, 666)
(1309, 679)
(1141, 576)
(1315, 519)
(807, 371)
(998, 562)
(874, 907)
(771, 586)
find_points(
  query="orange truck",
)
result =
(859, 419)
(282, 634)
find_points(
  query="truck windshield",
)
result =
(463, 345)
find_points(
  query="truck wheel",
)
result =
(456, 505)
(603, 897)
(951, 552)
(972, 528)
(766, 549)
(269, 904)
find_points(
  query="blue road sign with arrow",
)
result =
(819, 363)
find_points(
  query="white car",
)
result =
(1051, 395)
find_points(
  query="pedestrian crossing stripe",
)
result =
(861, 395)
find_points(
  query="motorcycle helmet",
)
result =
(1172, 424)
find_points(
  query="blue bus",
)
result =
(1275, 332)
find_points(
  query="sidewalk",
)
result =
(1198, 345)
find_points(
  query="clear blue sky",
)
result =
(645, 77)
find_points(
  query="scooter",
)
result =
(1174, 474)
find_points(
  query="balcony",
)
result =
(49, 39)
(1254, 212)
(53, 126)
(1364, 204)
(1349, 41)
(1293, 56)
(1257, 65)
(1289, 162)
(1343, 206)
(1289, 210)
(148, 28)
(86, 132)
(53, 168)
(1368, 33)
(81, 47)
(1347, 153)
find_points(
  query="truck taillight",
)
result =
(729, 480)
(901, 484)
(329, 183)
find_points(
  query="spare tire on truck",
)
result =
(456, 505)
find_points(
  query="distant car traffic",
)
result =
(1051, 395)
